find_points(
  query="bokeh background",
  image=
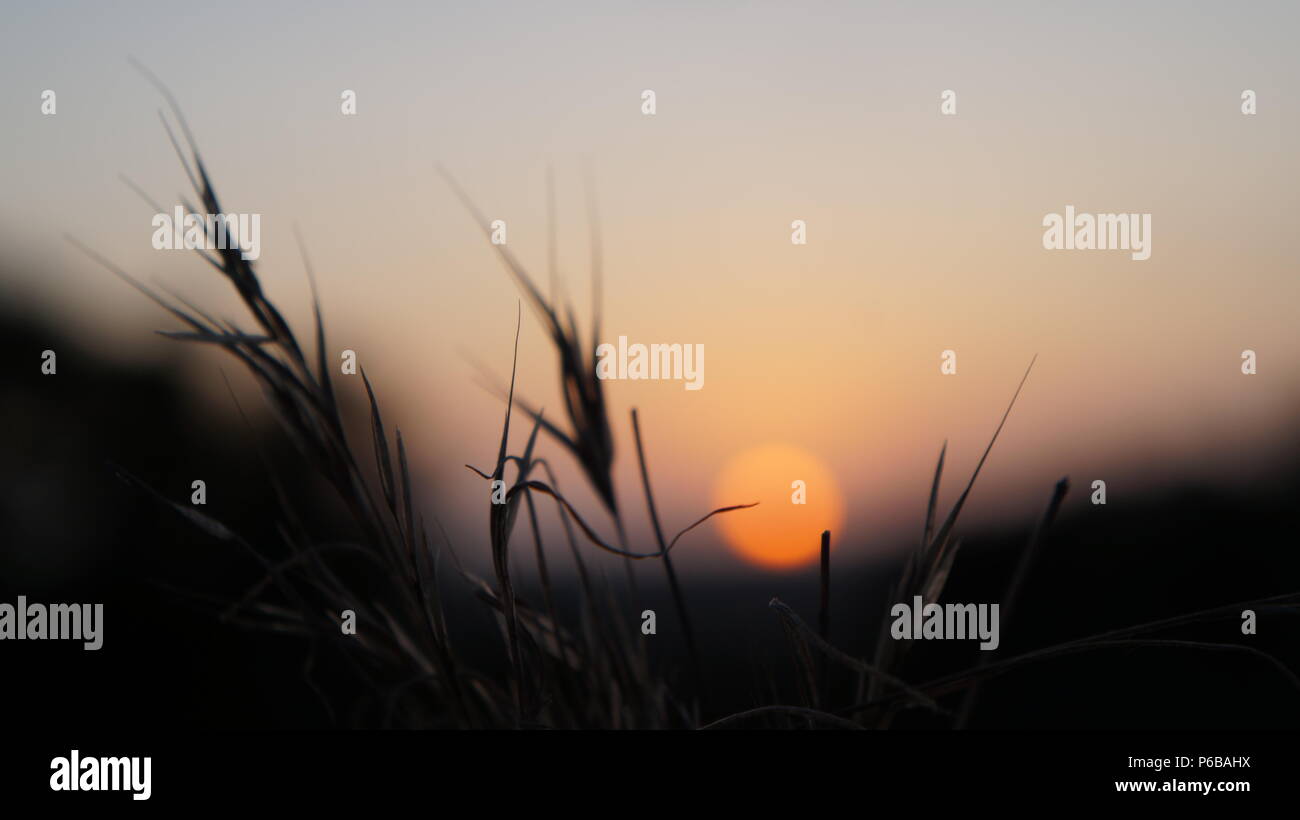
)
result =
(924, 235)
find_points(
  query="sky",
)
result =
(924, 231)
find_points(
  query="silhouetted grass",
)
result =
(592, 673)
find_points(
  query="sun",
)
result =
(779, 533)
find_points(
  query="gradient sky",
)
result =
(924, 231)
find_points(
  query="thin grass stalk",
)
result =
(824, 609)
(928, 575)
(679, 600)
(1013, 590)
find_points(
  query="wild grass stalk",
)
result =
(1013, 589)
(679, 600)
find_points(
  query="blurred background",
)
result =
(924, 234)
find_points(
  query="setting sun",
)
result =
(798, 498)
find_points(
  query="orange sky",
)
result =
(924, 231)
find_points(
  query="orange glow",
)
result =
(778, 533)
